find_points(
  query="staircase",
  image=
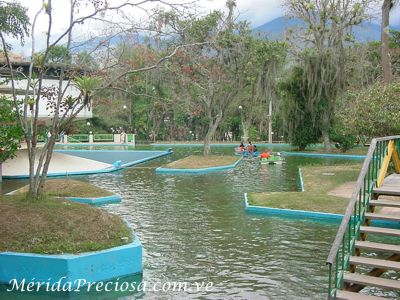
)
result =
(358, 258)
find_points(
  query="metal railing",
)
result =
(103, 137)
(78, 138)
(343, 246)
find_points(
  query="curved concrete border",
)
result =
(93, 144)
(97, 201)
(101, 171)
(265, 210)
(303, 214)
(161, 170)
(301, 181)
(216, 145)
(70, 268)
(325, 155)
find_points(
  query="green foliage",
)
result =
(372, 112)
(87, 85)
(342, 138)
(14, 20)
(59, 54)
(85, 59)
(299, 127)
(10, 131)
(253, 133)
(394, 38)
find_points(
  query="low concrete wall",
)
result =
(162, 170)
(70, 268)
(324, 155)
(302, 214)
(97, 201)
(128, 158)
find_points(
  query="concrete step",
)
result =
(371, 246)
(386, 217)
(375, 263)
(365, 280)
(380, 230)
(345, 295)
(386, 203)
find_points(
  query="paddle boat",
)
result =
(273, 160)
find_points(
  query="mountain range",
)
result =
(276, 29)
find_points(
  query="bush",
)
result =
(374, 111)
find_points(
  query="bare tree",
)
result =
(327, 29)
(65, 108)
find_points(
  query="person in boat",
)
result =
(255, 153)
(265, 155)
(250, 148)
(241, 147)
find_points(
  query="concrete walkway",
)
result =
(345, 190)
(60, 163)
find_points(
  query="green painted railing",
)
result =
(130, 138)
(349, 231)
(78, 138)
(103, 137)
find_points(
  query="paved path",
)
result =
(345, 190)
(60, 163)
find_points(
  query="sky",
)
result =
(257, 12)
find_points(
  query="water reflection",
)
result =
(195, 229)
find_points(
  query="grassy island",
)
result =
(52, 225)
(202, 162)
(70, 188)
(323, 190)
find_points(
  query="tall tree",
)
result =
(327, 26)
(264, 64)
(215, 73)
(387, 72)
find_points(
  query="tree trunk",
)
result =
(212, 128)
(325, 137)
(385, 52)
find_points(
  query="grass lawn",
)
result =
(200, 162)
(70, 188)
(52, 226)
(318, 181)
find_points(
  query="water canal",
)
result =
(195, 229)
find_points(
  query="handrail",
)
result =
(352, 218)
(350, 207)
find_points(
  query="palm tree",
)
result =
(87, 85)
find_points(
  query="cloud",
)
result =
(257, 12)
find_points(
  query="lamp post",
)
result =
(90, 134)
(270, 133)
(244, 137)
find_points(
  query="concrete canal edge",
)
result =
(97, 201)
(73, 269)
(324, 155)
(303, 214)
(161, 170)
(280, 212)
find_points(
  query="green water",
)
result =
(195, 229)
